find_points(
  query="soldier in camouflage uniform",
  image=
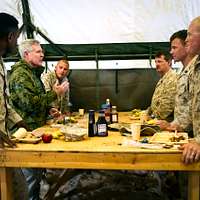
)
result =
(58, 75)
(30, 100)
(27, 92)
(179, 54)
(181, 110)
(8, 39)
(9, 33)
(191, 151)
(162, 103)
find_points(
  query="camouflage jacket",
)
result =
(163, 100)
(194, 96)
(61, 103)
(181, 111)
(27, 94)
(8, 116)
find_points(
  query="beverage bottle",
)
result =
(91, 124)
(108, 111)
(114, 115)
(101, 125)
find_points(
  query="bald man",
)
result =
(191, 151)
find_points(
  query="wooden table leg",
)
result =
(5, 181)
(193, 186)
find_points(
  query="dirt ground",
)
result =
(118, 185)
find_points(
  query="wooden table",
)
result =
(94, 153)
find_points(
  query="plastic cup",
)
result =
(81, 111)
(135, 131)
(143, 117)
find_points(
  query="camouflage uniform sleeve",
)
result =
(13, 116)
(48, 81)
(65, 102)
(167, 104)
(163, 99)
(194, 96)
(24, 94)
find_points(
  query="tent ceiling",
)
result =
(89, 29)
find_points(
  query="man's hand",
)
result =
(191, 152)
(54, 112)
(164, 125)
(62, 88)
(5, 139)
(22, 124)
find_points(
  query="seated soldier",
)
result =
(59, 75)
(162, 103)
(181, 110)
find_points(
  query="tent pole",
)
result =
(97, 80)
(27, 19)
(30, 28)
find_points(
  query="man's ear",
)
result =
(10, 35)
(25, 53)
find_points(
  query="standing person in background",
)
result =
(162, 103)
(180, 54)
(28, 97)
(59, 75)
(9, 33)
(9, 118)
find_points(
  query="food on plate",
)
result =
(177, 138)
(46, 138)
(135, 114)
(56, 134)
(20, 133)
(29, 138)
(74, 133)
(169, 137)
(70, 119)
(151, 122)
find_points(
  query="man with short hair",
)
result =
(180, 54)
(59, 75)
(27, 92)
(9, 33)
(162, 103)
(9, 118)
(28, 97)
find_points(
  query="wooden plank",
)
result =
(6, 189)
(88, 160)
(194, 186)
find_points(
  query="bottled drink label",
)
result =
(114, 118)
(102, 129)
